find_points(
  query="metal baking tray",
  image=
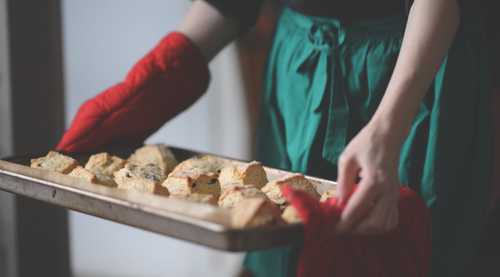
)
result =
(198, 223)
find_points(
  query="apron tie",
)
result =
(327, 38)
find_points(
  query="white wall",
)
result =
(102, 39)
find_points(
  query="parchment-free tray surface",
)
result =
(199, 223)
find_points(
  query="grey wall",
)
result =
(102, 40)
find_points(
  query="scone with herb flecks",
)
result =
(205, 162)
(144, 185)
(255, 212)
(233, 195)
(193, 180)
(246, 174)
(135, 171)
(274, 191)
(327, 195)
(196, 197)
(94, 177)
(55, 162)
(105, 163)
(159, 155)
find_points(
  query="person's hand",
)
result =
(373, 156)
(160, 86)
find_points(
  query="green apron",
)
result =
(324, 81)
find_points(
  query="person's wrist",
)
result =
(393, 128)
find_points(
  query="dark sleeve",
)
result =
(245, 11)
(464, 6)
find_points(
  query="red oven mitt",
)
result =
(161, 85)
(403, 252)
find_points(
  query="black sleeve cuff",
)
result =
(244, 11)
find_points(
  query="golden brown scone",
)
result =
(105, 163)
(144, 185)
(55, 162)
(291, 215)
(255, 212)
(159, 155)
(197, 197)
(327, 195)
(193, 180)
(239, 175)
(298, 181)
(94, 177)
(206, 162)
(134, 171)
(231, 197)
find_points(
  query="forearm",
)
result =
(208, 29)
(431, 28)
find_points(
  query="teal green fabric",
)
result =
(325, 79)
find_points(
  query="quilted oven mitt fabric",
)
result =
(403, 251)
(161, 85)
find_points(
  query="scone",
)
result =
(255, 212)
(105, 163)
(206, 162)
(144, 185)
(197, 197)
(134, 171)
(239, 175)
(291, 215)
(193, 180)
(94, 177)
(298, 181)
(233, 195)
(159, 155)
(327, 195)
(55, 162)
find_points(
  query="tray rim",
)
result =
(220, 236)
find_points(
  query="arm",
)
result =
(374, 153)
(208, 29)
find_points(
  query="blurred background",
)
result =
(54, 55)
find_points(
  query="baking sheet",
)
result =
(195, 222)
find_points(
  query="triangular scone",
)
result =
(55, 162)
(105, 163)
(191, 181)
(94, 177)
(231, 197)
(255, 212)
(159, 155)
(197, 197)
(246, 174)
(273, 189)
(291, 215)
(327, 195)
(144, 185)
(206, 162)
(134, 171)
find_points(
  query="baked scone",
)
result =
(298, 181)
(193, 180)
(197, 197)
(159, 155)
(134, 171)
(239, 175)
(255, 212)
(206, 162)
(94, 177)
(144, 185)
(233, 195)
(327, 195)
(291, 215)
(55, 162)
(105, 163)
